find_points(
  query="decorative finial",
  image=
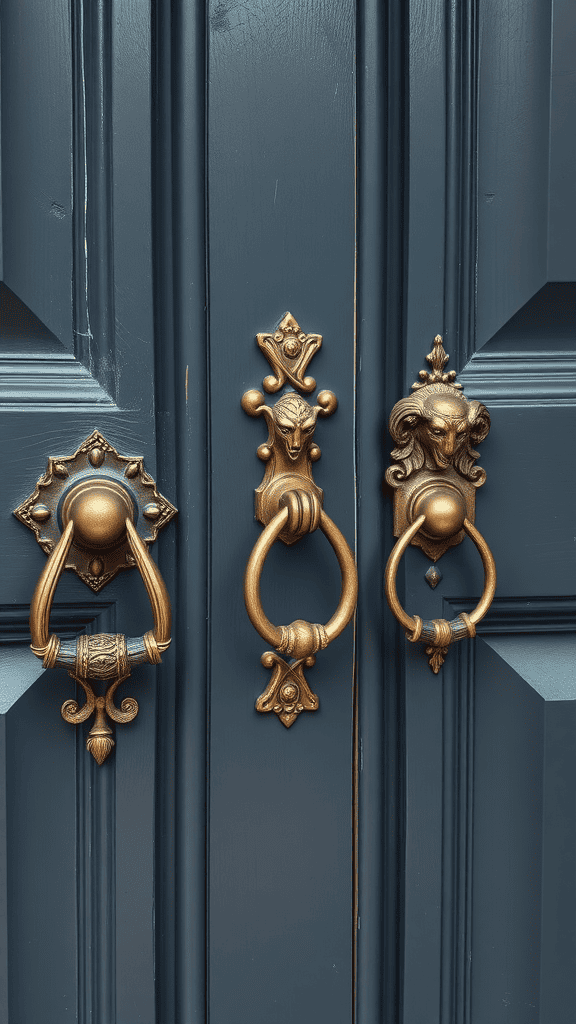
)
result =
(289, 351)
(437, 358)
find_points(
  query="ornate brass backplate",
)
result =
(434, 477)
(434, 430)
(124, 489)
(289, 453)
(289, 504)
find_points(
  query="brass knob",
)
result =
(99, 509)
(444, 508)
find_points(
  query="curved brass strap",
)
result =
(155, 587)
(439, 633)
(300, 639)
(44, 645)
(153, 643)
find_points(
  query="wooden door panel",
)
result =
(524, 937)
(37, 199)
(175, 177)
(77, 353)
(281, 207)
(481, 240)
(562, 213)
(512, 158)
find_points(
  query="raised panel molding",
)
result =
(382, 100)
(531, 360)
(77, 369)
(521, 379)
(461, 679)
(67, 620)
(56, 381)
(513, 158)
(562, 213)
(19, 668)
(36, 370)
(94, 820)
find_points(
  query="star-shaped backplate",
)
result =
(95, 458)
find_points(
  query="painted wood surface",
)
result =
(174, 179)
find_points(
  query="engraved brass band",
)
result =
(439, 633)
(300, 639)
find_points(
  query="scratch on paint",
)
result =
(186, 385)
(275, 192)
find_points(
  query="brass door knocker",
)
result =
(289, 505)
(95, 512)
(435, 483)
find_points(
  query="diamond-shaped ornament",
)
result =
(95, 460)
(433, 577)
(287, 693)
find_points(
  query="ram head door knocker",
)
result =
(434, 477)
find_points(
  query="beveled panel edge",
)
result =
(523, 614)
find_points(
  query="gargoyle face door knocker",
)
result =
(95, 512)
(435, 479)
(289, 505)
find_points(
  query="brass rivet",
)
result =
(132, 470)
(60, 470)
(291, 347)
(151, 511)
(96, 457)
(40, 513)
(96, 566)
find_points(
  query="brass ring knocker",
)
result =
(289, 505)
(435, 430)
(53, 652)
(93, 512)
(439, 633)
(300, 639)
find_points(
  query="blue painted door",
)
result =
(175, 177)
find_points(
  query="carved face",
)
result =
(445, 430)
(294, 423)
(436, 428)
